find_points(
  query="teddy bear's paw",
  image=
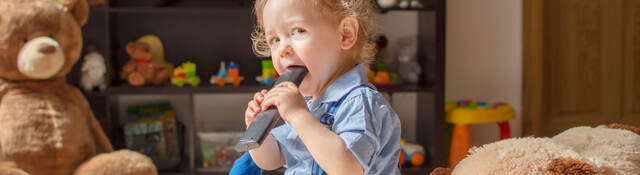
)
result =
(569, 166)
(441, 171)
(9, 168)
(41, 58)
(122, 162)
(136, 79)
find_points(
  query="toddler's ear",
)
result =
(348, 29)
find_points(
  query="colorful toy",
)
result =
(411, 153)
(142, 70)
(228, 73)
(218, 149)
(382, 75)
(185, 74)
(465, 112)
(269, 74)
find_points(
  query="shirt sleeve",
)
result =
(357, 127)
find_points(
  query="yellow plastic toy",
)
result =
(466, 112)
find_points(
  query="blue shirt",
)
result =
(365, 121)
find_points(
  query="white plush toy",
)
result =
(409, 69)
(410, 3)
(387, 3)
(93, 72)
(613, 151)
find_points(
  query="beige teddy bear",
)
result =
(581, 151)
(46, 125)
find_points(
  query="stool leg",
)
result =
(505, 130)
(460, 144)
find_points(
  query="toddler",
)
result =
(336, 121)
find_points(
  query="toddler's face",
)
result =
(300, 34)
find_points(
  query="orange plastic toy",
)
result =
(463, 113)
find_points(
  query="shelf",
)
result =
(184, 90)
(130, 90)
(174, 9)
(384, 10)
(206, 9)
(407, 88)
(414, 170)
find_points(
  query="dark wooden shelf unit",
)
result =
(209, 31)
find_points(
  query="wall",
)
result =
(483, 57)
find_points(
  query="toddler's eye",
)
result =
(298, 31)
(274, 41)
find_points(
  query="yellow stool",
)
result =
(462, 117)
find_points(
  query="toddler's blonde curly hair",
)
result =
(362, 10)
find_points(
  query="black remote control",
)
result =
(266, 120)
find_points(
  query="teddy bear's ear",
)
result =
(441, 171)
(561, 166)
(623, 126)
(131, 46)
(79, 9)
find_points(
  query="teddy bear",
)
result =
(46, 125)
(614, 149)
(407, 61)
(141, 69)
(93, 71)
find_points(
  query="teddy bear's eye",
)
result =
(50, 35)
(26, 40)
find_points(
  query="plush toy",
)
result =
(93, 71)
(386, 3)
(407, 61)
(579, 150)
(141, 70)
(46, 125)
(155, 46)
(410, 3)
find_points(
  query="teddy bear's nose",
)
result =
(48, 49)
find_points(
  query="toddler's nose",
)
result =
(286, 52)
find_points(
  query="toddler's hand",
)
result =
(287, 98)
(254, 107)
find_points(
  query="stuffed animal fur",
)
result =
(46, 125)
(93, 72)
(141, 69)
(580, 151)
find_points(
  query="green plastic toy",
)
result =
(185, 74)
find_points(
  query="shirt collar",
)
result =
(347, 81)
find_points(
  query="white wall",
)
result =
(483, 57)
